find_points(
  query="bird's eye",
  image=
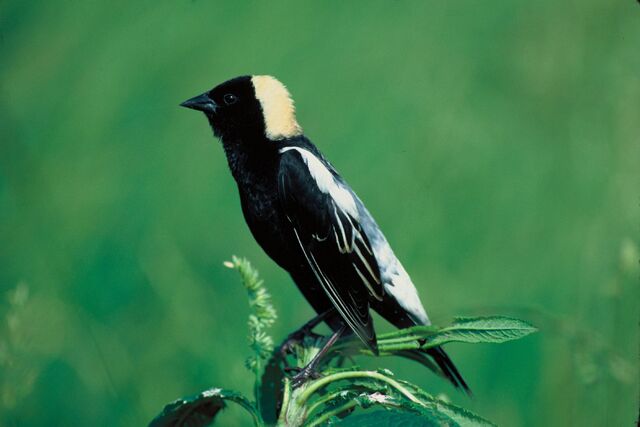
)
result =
(230, 99)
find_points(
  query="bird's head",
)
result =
(249, 107)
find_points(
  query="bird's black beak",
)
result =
(201, 103)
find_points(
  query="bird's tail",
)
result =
(447, 367)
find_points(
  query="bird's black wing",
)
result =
(323, 214)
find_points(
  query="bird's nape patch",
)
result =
(277, 108)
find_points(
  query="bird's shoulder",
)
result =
(301, 161)
(303, 149)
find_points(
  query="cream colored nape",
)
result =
(277, 108)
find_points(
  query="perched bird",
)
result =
(307, 218)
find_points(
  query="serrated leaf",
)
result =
(495, 329)
(461, 416)
(388, 418)
(199, 410)
(366, 393)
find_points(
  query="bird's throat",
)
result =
(251, 163)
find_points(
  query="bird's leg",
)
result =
(298, 335)
(310, 371)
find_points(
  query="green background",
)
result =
(497, 144)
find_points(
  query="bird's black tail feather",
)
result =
(448, 369)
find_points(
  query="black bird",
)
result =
(308, 219)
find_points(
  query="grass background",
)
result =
(497, 144)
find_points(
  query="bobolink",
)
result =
(308, 219)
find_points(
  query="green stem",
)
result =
(406, 338)
(327, 415)
(257, 384)
(322, 401)
(413, 345)
(286, 397)
(420, 331)
(322, 382)
(382, 347)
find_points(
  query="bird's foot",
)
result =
(297, 337)
(305, 374)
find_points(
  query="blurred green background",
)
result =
(497, 144)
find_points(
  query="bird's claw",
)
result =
(305, 374)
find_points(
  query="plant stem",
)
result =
(322, 401)
(406, 338)
(257, 384)
(416, 331)
(327, 415)
(286, 397)
(412, 345)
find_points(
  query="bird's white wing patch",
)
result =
(277, 108)
(403, 290)
(326, 182)
(395, 279)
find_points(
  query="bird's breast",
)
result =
(267, 223)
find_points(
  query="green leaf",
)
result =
(388, 418)
(367, 392)
(460, 416)
(200, 410)
(494, 329)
